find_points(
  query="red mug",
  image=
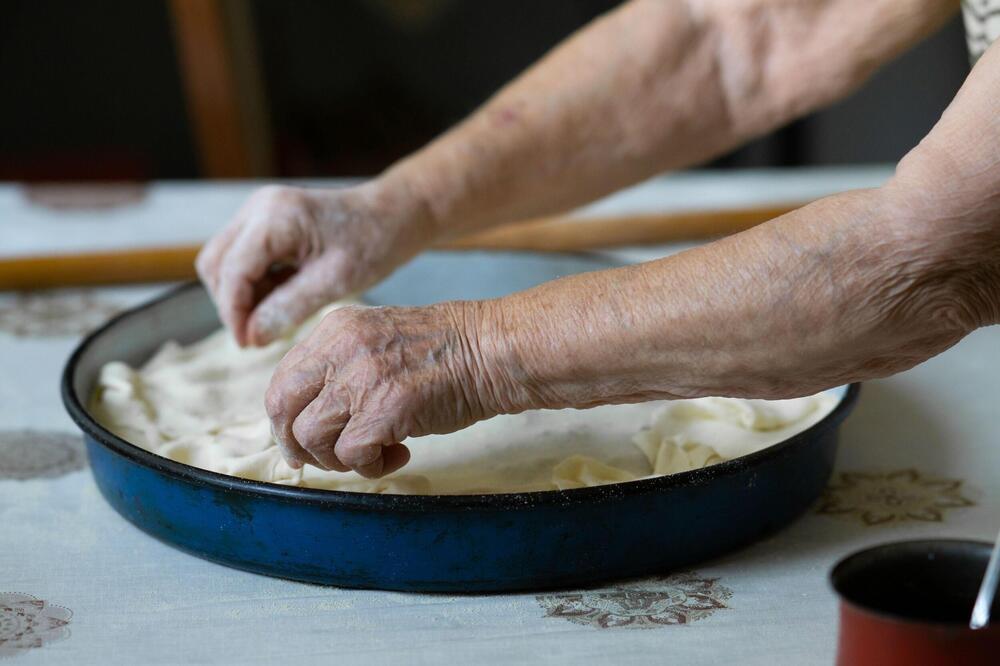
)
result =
(909, 603)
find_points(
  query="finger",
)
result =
(294, 455)
(292, 302)
(246, 264)
(296, 382)
(318, 426)
(361, 445)
(393, 457)
(210, 257)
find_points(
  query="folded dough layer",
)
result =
(203, 405)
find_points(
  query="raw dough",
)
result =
(203, 405)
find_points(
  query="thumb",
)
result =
(291, 303)
(370, 448)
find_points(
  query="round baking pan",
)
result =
(437, 543)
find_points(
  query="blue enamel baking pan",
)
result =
(457, 543)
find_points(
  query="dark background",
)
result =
(92, 90)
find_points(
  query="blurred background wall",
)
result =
(141, 89)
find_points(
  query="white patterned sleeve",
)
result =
(982, 25)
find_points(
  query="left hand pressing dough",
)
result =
(203, 405)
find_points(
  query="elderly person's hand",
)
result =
(368, 378)
(855, 286)
(290, 250)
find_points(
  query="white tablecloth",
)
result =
(79, 585)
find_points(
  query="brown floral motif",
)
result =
(892, 497)
(54, 314)
(27, 622)
(36, 454)
(679, 599)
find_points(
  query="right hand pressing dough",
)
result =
(203, 405)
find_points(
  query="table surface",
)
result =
(79, 585)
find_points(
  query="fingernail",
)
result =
(372, 469)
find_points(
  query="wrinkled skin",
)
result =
(289, 251)
(367, 378)
(854, 286)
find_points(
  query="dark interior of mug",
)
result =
(930, 581)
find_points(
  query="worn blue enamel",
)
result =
(469, 543)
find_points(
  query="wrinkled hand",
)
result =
(290, 251)
(368, 378)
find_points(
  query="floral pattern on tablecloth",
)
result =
(27, 623)
(39, 454)
(678, 599)
(62, 313)
(901, 496)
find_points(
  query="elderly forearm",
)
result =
(855, 286)
(652, 86)
(778, 311)
(842, 290)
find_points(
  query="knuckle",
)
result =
(356, 455)
(305, 434)
(343, 314)
(274, 399)
(283, 196)
(341, 323)
(314, 431)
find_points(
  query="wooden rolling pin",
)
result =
(558, 234)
